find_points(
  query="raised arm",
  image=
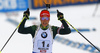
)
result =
(65, 29)
(22, 29)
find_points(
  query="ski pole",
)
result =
(82, 35)
(12, 35)
(96, 8)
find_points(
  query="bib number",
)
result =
(43, 45)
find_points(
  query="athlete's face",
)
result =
(45, 20)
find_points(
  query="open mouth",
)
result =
(44, 23)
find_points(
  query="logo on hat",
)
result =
(45, 14)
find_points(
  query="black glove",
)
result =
(60, 15)
(26, 14)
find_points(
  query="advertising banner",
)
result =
(36, 4)
(13, 5)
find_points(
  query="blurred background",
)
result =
(84, 15)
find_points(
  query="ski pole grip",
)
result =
(57, 11)
(48, 5)
(27, 9)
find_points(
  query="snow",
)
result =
(79, 16)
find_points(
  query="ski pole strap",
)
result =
(21, 21)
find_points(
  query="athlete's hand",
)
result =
(26, 14)
(60, 15)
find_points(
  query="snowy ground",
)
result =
(79, 16)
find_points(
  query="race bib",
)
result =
(43, 44)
